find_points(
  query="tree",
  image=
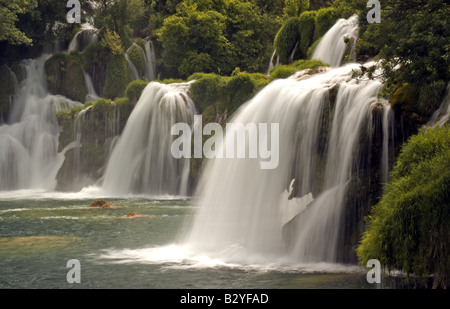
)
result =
(215, 36)
(417, 52)
(9, 11)
(293, 8)
(409, 228)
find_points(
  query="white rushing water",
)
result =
(442, 115)
(331, 47)
(148, 55)
(29, 142)
(83, 38)
(239, 203)
(141, 161)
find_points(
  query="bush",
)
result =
(137, 58)
(207, 89)
(65, 76)
(117, 77)
(307, 27)
(239, 89)
(284, 71)
(134, 90)
(286, 38)
(408, 229)
(325, 19)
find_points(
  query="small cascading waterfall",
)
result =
(141, 161)
(28, 143)
(92, 94)
(240, 214)
(274, 62)
(148, 55)
(83, 38)
(442, 115)
(331, 48)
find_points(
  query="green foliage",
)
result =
(417, 52)
(134, 90)
(119, 16)
(325, 19)
(239, 89)
(293, 8)
(9, 9)
(346, 8)
(225, 93)
(117, 77)
(286, 38)
(112, 42)
(65, 76)
(284, 71)
(137, 58)
(408, 229)
(217, 36)
(206, 90)
(307, 27)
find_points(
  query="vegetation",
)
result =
(408, 229)
(416, 53)
(65, 76)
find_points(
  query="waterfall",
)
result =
(92, 94)
(29, 142)
(141, 161)
(291, 56)
(240, 214)
(274, 62)
(442, 115)
(148, 55)
(83, 38)
(331, 48)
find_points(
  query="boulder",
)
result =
(101, 204)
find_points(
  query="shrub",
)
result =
(325, 19)
(286, 38)
(408, 229)
(134, 90)
(307, 27)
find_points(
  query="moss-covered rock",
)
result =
(307, 26)
(7, 89)
(284, 71)
(117, 77)
(94, 59)
(136, 56)
(134, 90)
(94, 126)
(286, 38)
(65, 76)
(325, 19)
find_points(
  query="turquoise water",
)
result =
(40, 232)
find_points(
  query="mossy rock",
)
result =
(117, 77)
(7, 89)
(101, 204)
(307, 26)
(134, 90)
(137, 58)
(65, 76)
(405, 99)
(286, 38)
(94, 59)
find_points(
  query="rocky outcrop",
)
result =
(101, 204)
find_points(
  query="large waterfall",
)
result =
(29, 142)
(142, 161)
(242, 208)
